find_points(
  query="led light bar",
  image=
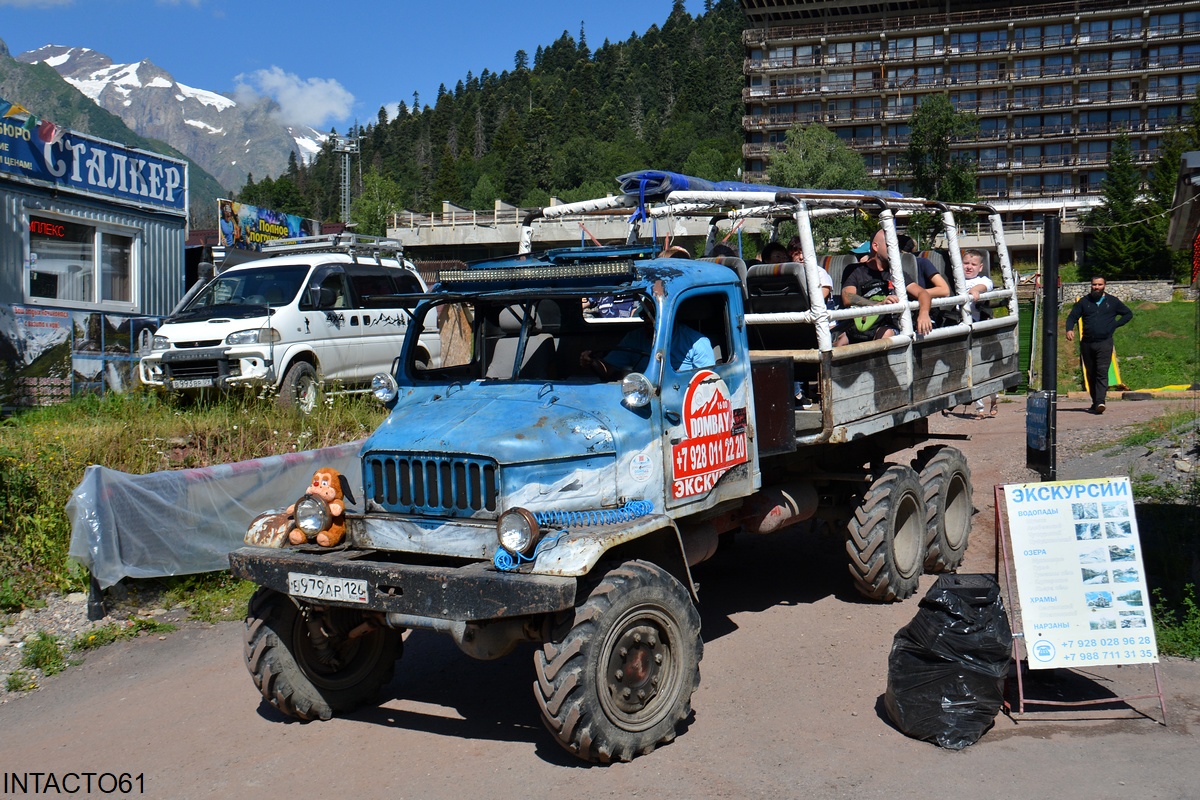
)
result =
(607, 268)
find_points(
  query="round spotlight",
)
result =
(518, 531)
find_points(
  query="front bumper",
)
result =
(471, 592)
(202, 368)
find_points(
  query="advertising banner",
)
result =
(1081, 582)
(716, 437)
(67, 159)
(246, 227)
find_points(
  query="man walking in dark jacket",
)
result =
(1102, 314)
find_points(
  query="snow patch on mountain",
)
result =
(203, 124)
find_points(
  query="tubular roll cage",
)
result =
(801, 208)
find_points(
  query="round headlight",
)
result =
(384, 387)
(637, 390)
(312, 515)
(517, 531)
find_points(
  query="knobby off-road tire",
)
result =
(300, 389)
(946, 481)
(618, 681)
(286, 666)
(887, 537)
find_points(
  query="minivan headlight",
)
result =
(160, 343)
(255, 336)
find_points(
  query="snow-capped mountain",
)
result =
(228, 138)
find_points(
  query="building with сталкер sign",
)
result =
(91, 257)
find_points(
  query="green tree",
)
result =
(1122, 243)
(813, 157)
(937, 173)
(1183, 136)
(380, 198)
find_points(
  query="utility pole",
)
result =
(347, 146)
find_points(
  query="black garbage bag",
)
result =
(947, 667)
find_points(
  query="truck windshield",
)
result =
(549, 338)
(245, 293)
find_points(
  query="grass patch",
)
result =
(1169, 426)
(1147, 489)
(20, 681)
(1178, 629)
(116, 631)
(44, 452)
(44, 653)
(1157, 348)
(212, 597)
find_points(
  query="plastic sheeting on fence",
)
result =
(179, 522)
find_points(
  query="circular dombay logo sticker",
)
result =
(715, 437)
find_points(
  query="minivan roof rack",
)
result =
(352, 244)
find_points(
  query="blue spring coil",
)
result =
(507, 562)
(606, 516)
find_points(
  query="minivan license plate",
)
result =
(191, 383)
(344, 590)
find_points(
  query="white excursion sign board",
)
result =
(1081, 582)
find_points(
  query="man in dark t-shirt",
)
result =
(870, 284)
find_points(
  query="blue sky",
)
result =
(327, 63)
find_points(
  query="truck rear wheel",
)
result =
(308, 664)
(946, 480)
(619, 681)
(300, 389)
(887, 538)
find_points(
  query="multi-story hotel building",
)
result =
(1052, 84)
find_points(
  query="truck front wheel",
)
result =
(310, 662)
(946, 479)
(888, 538)
(619, 681)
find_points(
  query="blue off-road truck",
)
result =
(554, 477)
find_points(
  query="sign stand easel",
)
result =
(1002, 544)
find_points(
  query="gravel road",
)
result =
(790, 704)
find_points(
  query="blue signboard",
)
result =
(93, 166)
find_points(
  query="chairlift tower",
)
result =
(347, 146)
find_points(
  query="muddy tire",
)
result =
(299, 679)
(300, 389)
(618, 680)
(887, 537)
(946, 482)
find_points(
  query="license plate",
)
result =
(343, 590)
(192, 383)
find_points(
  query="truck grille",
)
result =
(431, 484)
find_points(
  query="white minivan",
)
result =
(319, 314)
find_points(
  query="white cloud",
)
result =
(302, 101)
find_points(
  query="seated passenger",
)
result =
(690, 350)
(796, 251)
(976, 283)
(870, 284)
(774, 253)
